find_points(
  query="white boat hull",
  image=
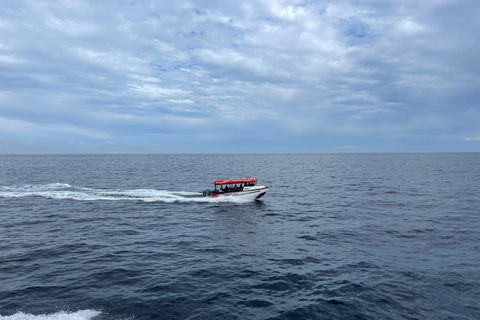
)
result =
(247, 194)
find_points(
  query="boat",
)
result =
(243, 188)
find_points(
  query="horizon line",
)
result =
(235, 153)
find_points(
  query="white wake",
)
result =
(62, 315)
(66, 191)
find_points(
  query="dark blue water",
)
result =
(374, 236)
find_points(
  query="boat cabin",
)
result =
(233, 185)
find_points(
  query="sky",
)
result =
(266, 76)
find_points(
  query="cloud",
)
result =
(153, 91)
(473, 138)
(57, 132)
(14, 126)
(188, 101)
(347, 72)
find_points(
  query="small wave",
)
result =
(32, 188)
(62, 191)
(62, 315)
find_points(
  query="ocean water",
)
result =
(346, 236)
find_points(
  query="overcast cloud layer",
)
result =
(226, 76)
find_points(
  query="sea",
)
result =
(337, 236)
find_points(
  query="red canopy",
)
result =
(232, 181)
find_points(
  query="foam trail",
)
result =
(66, 191)
(62, 315)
